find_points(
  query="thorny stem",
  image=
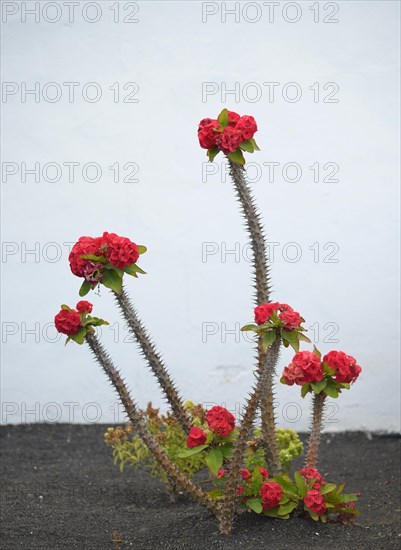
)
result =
(141, 428)
(262, 295)
(317, 423)
(154, 359)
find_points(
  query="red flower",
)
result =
(305, 367)
(239, 490)
(84, 307)
(264, 312)
(195, 437)
(314, 501)
(345, 366)
(271, 494)
(206, 133)
(228, 140)
(233, 118)
(221, 473)
(290, 318)
(264, 472)
(221, 421)
(84, 247)
(121, 251)
(247, 127)
(245, 474)
(68, 322)
(311, 473)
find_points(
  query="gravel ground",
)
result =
(60, 490)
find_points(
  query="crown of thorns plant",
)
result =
(248, 466)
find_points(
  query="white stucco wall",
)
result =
(347, 291)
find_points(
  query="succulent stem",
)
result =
(317, 423)
(141, 428)
(267, 361)
(154, 360)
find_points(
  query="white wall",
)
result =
(169, 53)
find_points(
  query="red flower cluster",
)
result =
(195, 437)
(220, 421)
(305, 367)
(118, 251)
(271, 494)
(68, 322)
(314, 500)
(311, 473)
(346, 368)
(84, 307)
(239, 129)
(291, 319)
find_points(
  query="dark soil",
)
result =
(61, 490)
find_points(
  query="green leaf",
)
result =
(268, 338)
(79, 337)
(291, 336)
(133, 268)
(316, 351)
(304, 338)
(223, 118)
(301, 484)
(255, 147)
(212, 153)
(247, 146)
(313, 515)
(328, 370)
(141, 249)
(287, 485)
(251, 327)
(66, 308)
(99, 259)
(111, 279)
(85, 288)
(189, 452)
(236, 156)
(283, 380)
(95, 321)
(255, 504)
(331, 390)
(327, 488)
(214, 460)
(285, 509)
(215, 494)
(305, 389)
(319, 386)
(227, 450)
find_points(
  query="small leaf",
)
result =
(255, 505)
(305, 389)
(214, 460)
(316, 351)
(255, 147)
(327, 488)
(304, 338)
(189, 452)
(319, 386)
(85, 288)
(212, 153)
(328, 370)
(237, 156)
(285, 509)
(216, 494)
(133, 268)
(331, 390)
(66, 308)
(291, 336)
(111, 279)
(141, 249)
(251, 327)
(98, 259)
(268, 339)
(223, 118)
(79, 337)
(283, 380)
(301, 484)
(247, 146)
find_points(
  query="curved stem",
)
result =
(154, 359)
(317, 424)
(144, 433)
